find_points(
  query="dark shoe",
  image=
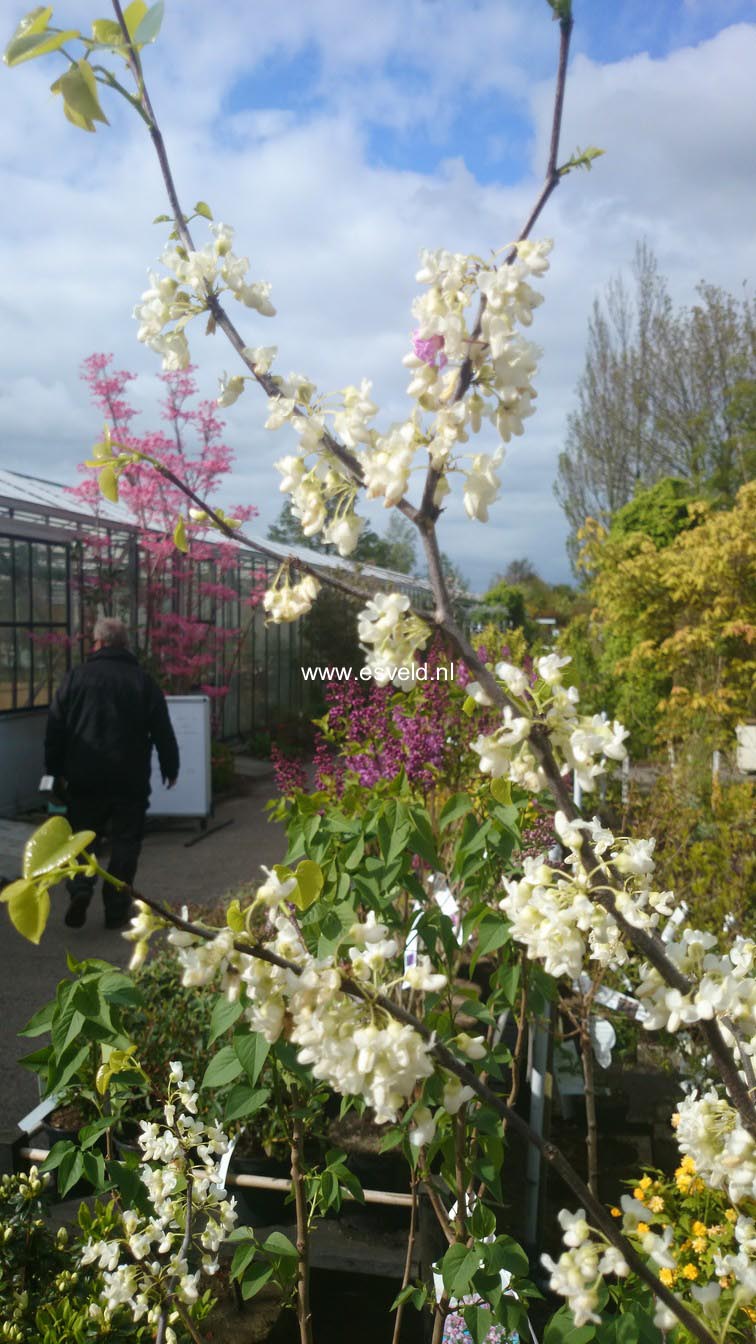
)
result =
(120, 917)
(76, 914)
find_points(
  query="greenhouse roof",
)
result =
(32, 498)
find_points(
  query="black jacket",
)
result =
(104, 720)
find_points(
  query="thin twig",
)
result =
(407, 1262)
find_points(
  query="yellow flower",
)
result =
(667, 1277)
(715, 1230)
(699, 1245)
(675, 1120)
(645, 1182)
(731, 1215)
(656, 1204)
(688, 1165)
(690, 1272)
(684, 1181)
(642, 1229)
(616, 1213)
(639, 1193)
(725, 1281)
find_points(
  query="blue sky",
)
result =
(339, 138)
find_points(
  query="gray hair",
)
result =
(110, 632)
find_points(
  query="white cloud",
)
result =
(338, 235)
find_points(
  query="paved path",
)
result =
(175, 873)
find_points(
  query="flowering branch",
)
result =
(469, 1080)
(429, 509)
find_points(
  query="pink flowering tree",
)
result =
(185, 579)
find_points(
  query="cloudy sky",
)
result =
(339, 137)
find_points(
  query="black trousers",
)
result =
(90, 812)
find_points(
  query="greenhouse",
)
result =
(62, 564)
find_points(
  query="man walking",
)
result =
(104, 720)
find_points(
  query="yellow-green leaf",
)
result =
(35, 44)
(103, 449)
(179, 536)
(28, 907)
(53, 845)
(309, 884)
(108, 32)
(109, 484)
(133, 15)
(234, 917)
(202, 208)
(469, 706)
(501, 790)
(81, 103)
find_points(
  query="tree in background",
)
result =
(518, 599)
(669, 641)
(665, 391)
(180, 634)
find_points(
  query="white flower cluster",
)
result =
(392, 635)
(709, 1131)
(147, 1268)
(177, 297)
(555, 915)
(502, 365)
(349, 1042)
(581, 743)
(288, 601)
(578, 1273)
(723, 987)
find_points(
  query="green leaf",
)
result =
(242, 1257)
(223, 1068)
(482, 1221)
(148, 28)
(478, 1320)
(28, 907)
(40, 1022)
(244, 1101)
(458, 806)
(70, 1169)
(561, 1329)
(91, 1133)
(56, 1154)
(279, 1245)
(202, 208)
(256, 1278)
(81, 102)
(251, 1049)
(179, 536)
(457, 1267)
(309, 877)
(223, 1016)
(501, 790)
(493, 932)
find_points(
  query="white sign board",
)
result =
(191, 795)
